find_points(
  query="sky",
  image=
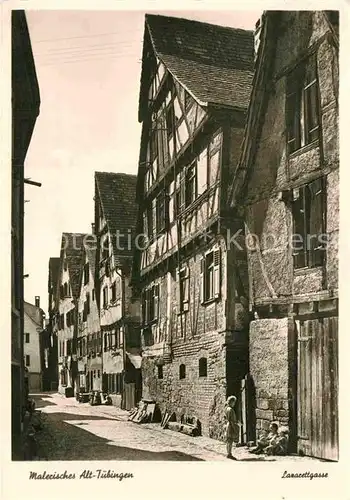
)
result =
(88, 66)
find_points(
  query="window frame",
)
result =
(215, 268)
(184, 289)
(302, 101)
(303, 197)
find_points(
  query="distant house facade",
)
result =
(288, 181)
(25, 110)
(195, 88)
(68, 295)
(32, 347)
(50, 369)
(89, 338)
(115, 218)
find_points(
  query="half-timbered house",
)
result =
(195, 89)
(115, 218)
(288, 182)
(68, 294)
(50, 380)
(89, 338)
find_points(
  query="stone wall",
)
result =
(192, 396)
(269, 370)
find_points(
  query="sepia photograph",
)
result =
(174, 238)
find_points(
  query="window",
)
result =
(27, 338)
(180, 194)
(65, 290)
(114, 292)
(162, 212)
(186, 190)
(302, 106)
(98, 374)
(202, 367)
(184, 289)
(309, 225)
(182, 371)
(170, 120)
(191, 184)
(93, 294)
(105, 342)
(86, 273)
(27, 360)
(61, 322)
(105, 296)
(150, 304)
(210, 276)
(160, 371)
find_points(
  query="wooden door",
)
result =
(318, 387)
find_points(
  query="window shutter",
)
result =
(154, 216)
(156, 301)
(201, 278)
(298, 228)
(145, 223)
(186, 297)
(217, 269)
(178, 291)
(317, 225)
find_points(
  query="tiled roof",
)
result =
(35, 313)
(73, 244)
(117, 193)
(213, 62)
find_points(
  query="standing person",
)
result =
(232, 426)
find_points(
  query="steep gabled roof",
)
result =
(117, 194)
(35, 313)
(73, 245)
(215, 63)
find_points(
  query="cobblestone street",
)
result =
(78, 431)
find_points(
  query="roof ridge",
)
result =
(70, 232)
(230, 28)
(115, 173)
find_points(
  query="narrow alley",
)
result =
(78, 431)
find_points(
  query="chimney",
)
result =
(37, 301)
(92, 228)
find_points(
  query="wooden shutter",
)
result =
(202, 279)
(217, 272)
(154, 216)
(299, 228)
(145, 223)
(316, 225)
(156, 301)
(178, 291)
